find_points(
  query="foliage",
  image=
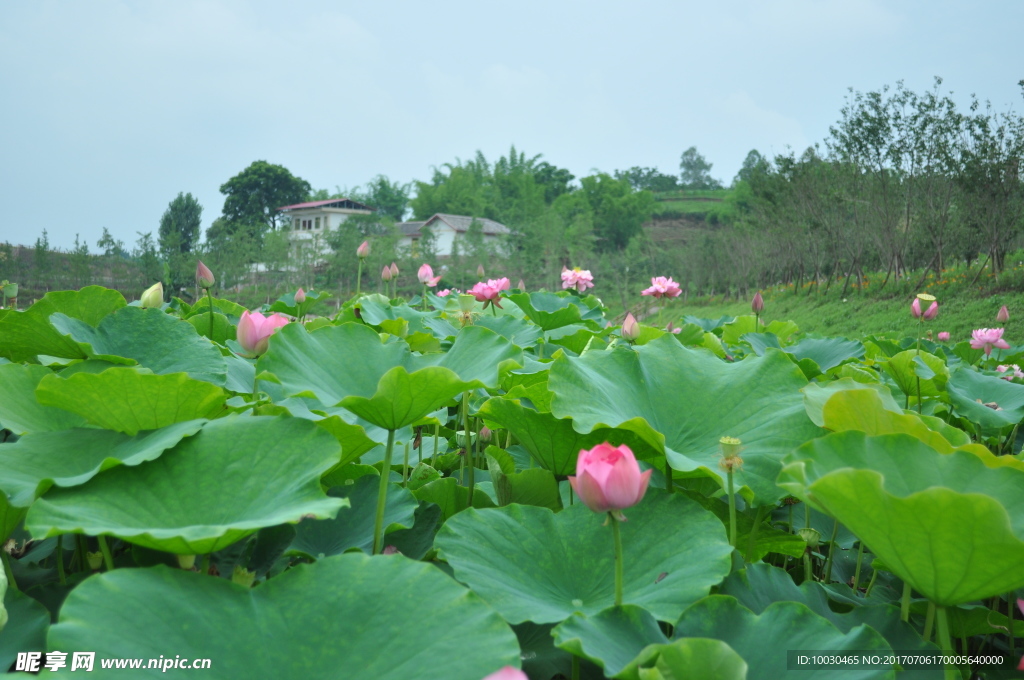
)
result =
(253, 196)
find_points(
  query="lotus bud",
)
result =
(204, 277)
(187, 562)
(243, 576)
(757, 304)
(731, 447)
(485, 434)
(300, 296)
(390, 550)
(95, 560)
(943, 336)
(1004, 315)
(507, 673)
(931, 312)
(385, 274)
(480, 270)
(363, 251)
(153, 298)
(812, 537)
(521, 285)
(630, 329)
(915, 308)
(608, 478)
(394, 270)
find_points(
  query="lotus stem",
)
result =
(905, 602)
(468, 457)
(424, 297)
(494, 309)
(1009, 616)
(437, 433)
(871, 583)
(60, 560)
(860, 560)
(808, 572)
(204, 567)
(732, 510)
(929, 621)
(617, 535)
(11, 583)
(831, 552)
(108, 559)
(670, 484)
(382, 495)
(209, 298)
(359, 276)
(575, 667)
(945, 643)
(405, 466)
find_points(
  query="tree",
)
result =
(555, 180)
(695, 171)
(753, 164)
(254, 195)
(110, 246)
(145, 254)
(389, 198)
(649, 179)
(619, 212)
(180, 227)
(41, 257)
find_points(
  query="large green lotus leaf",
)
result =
(158, 341)
(534, 565)
(733, 331)
(946, 523)
(353, 527)
(236, 476)
(36, 462)
(550, 310)
(682, 401)
(826, 353)
(708, 325)
(374, 310)
(20, 412)
(223, 329)
(26, 627)
(402, 398)
(901, 369)
(25, 335)
(350, 616)
(230, 309)
(763, 640)
(552, 441)
(611, 638)
(693, 659)
(519, 332)
(10, 517)
(129, 401)
(478, 354)
(816, 395)
(864, 411)
(967, 386)
(451, 496)
(353, 435)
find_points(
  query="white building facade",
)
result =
(449, 229)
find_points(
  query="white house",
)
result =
(309, 222)
(447, 229)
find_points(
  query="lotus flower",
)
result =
(1004, 315)
(630, 328)
(521, 285)
(363, 250)
(672, 329)
(300, 296)
(662, 287)
(507, 673)
(480, 270)
(154, 296)
(931, 312)
(1013, 370)
(204, 277)
(987, 338)
(254, 330)
(577, 278)
(490, 293)
(943, 336)
(608, 478)
(426, 276)
(757, 304)
(385, 274)
(394, 270)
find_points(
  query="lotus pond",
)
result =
(384, 493)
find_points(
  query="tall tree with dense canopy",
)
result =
(695, 171)
(254, 195)
(180, 227)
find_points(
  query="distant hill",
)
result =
(682, 202)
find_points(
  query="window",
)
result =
(317, 223)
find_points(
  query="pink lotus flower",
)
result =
(987, 338)
(672, 329)
(608, 478)
(662, 287)
(490, 293)
(205, 279)
(363, 250)
(577, 278)
(385, 274)
(1015, 373)
(1004, 315)
(630, 328)
(300, 296)
(394, 270)
(507, 673)
(426, 276)
(757, 304)
(943, 336)
(254, 330)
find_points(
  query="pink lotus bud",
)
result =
(757, 304)
(385, 275)
(204, 277)
(154, 296)
(485, 434)
(394, 270)
(943, 336)
(480, 270)
(390, 550)
(1004, 315)
(507, 673)
(254, 330)
(363, 250)
(300, 296)
(521, 285)
(931, 312)
(915, 308)
(630, 328)
(426, 276)
(609, 478)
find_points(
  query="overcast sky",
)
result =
(109, 109)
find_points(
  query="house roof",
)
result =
(460, 223)
(410, 228)
(329, 203)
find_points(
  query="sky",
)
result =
(111, 108)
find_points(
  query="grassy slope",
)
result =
(861, 315)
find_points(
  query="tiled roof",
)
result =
(410, 228)
(329, 203)
(460, 223)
